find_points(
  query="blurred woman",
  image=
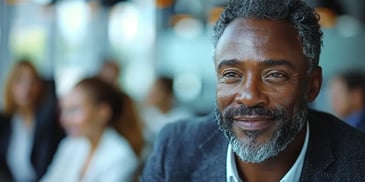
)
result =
(93, 150)
(29, 128)
(131, 126)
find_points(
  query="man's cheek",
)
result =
(225, 97)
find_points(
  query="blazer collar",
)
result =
(214, 154)
(319, 156)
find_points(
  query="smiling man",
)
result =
(266, 60)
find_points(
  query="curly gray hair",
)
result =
(303, 18)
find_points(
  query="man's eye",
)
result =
(230, 77)
(276, 76)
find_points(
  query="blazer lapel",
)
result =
(319, 154)
(213, 163)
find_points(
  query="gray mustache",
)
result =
(243, 110)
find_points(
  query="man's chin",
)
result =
(259, 136)
(254, 141)
(255, 146)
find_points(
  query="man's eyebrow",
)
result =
(229, 62)
(273, 62)
(269, 62)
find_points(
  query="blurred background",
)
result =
(69, 39)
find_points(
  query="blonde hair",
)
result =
(9, 101)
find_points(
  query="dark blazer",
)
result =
(195, 150)
(47, 135)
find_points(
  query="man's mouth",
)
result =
(253, 122)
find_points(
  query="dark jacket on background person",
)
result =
(361, 125)
(196, 150)
(4, 133)
(357, 120)
(47, 135)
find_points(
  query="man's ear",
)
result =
(315, 83)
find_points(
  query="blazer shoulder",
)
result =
(190, 129)
(336, 126)
(179, 148)
(345, 140)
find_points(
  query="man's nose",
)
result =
(251, 93)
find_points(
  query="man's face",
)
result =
(263, 86)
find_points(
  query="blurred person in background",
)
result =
(347, 97)
(160, 107)
(110, 71)
(29, 127)
(94, 149)
(130, 125)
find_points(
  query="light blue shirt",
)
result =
(293, 175)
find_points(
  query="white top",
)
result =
(20, 150)
(293, 175)
(113, 160)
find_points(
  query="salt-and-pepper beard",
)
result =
(247, 149)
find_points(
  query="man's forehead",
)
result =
(247, 26)
(258, 40)
(244, 30)
(259, 34)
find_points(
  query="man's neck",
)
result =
(274, 168)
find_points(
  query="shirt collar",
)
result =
(292, 175)
(232, 173)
